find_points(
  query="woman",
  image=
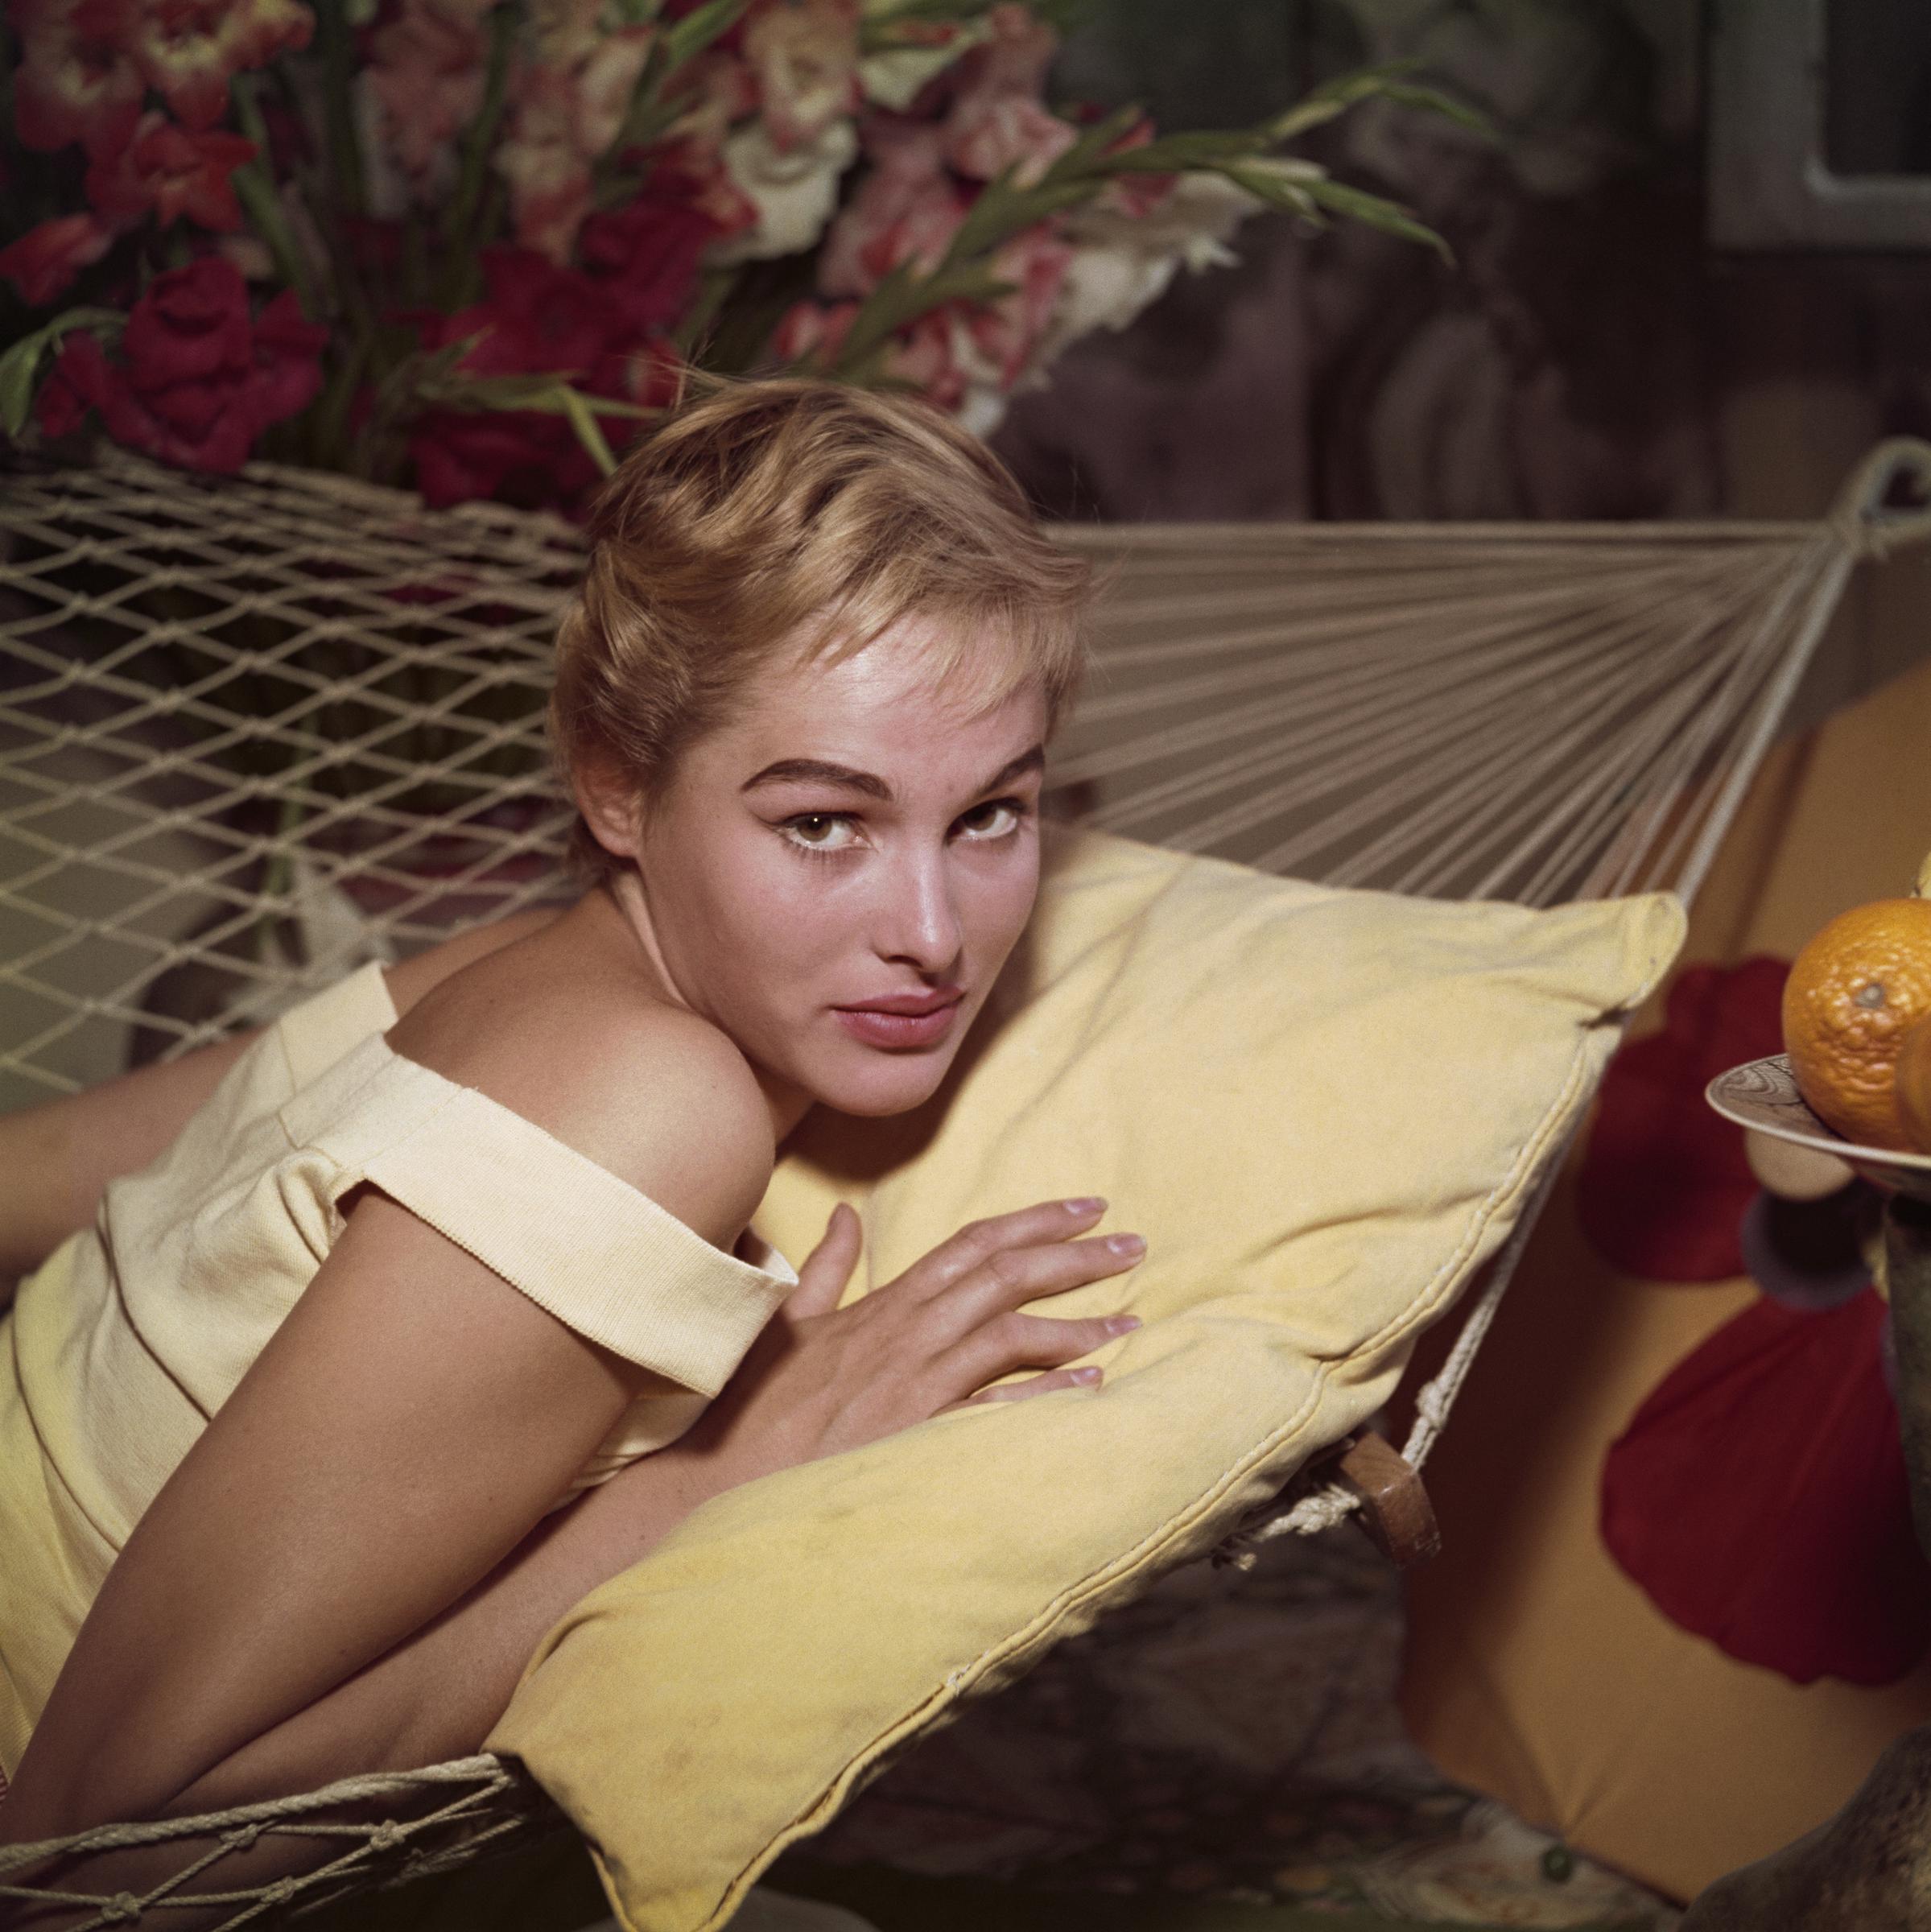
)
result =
(373, 1342)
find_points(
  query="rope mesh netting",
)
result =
(256, 730)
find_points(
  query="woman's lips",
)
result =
(879, 1027)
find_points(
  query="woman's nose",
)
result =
(921, 924)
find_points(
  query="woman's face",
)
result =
(835, 877)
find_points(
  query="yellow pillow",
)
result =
(1322, 1109)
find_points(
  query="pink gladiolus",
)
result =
(428, 72)
(189, 50)
(77, 80)
(804, 56)
(548, 173)
(565, 118)
(926, 356)
(987, 134)
(174, 172)
(813, 331)
(1135, 196)
(907, 209)
(605, 82)
(713, 92)
(566, 32)
(1007, 332)
(46, 259)
(1015, 59)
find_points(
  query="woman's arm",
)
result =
(406, 1425)
(60, 1155)
(402, 1433)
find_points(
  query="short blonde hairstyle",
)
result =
(773, 515)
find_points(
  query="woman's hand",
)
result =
(820, 1379)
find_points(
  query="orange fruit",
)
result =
(1855, 990)
(1914, 1085)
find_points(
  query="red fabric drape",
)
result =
(1759, 1498)
(1664, 1183)
(1759, 1495)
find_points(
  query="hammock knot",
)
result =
(1868, 539)
(241, 1839)
(279, 1893)
(1867, 523)
(387, 1836)
(1236, 1553)
(122, 1909)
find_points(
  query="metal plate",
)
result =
(1763, 1095)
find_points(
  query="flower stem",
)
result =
(254, 188)
(337, 49)
(460, 241)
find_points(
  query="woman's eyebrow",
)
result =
(819, 772)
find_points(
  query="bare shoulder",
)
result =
(657, 1096)
(415, 978)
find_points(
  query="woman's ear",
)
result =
(607, 796)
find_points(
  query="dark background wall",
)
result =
(1589, 354)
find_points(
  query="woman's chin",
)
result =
(881, 1083)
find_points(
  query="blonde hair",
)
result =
(770, 514)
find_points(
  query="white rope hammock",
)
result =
(255, 732)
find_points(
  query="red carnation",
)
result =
(198, 380)
(173, 171)
(46, 259)
(648, 253)
(80, 380)
(538, 319)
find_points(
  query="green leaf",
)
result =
(255, 190)
(588, 433)
(903, 296)
(1386, 82)
(1002, 211)
(550, 393)
(1431, 100)
(714, 290)
(879, 23)
(1291, 192)
(461, 235)
(20, 366)
(1373, 211)
(699, 28)
(1175, 154)
(1092, 144)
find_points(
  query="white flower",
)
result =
(894, 77)
(1124, 263)
(794, 192)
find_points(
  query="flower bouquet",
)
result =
(468, 246)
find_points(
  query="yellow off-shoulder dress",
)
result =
(119, 1348)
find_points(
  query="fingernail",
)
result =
(1086, 1375)
(1122, 1324)
(1126, 1244)
(1087, 1203)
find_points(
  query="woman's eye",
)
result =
(820, 830)
(993, 820)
